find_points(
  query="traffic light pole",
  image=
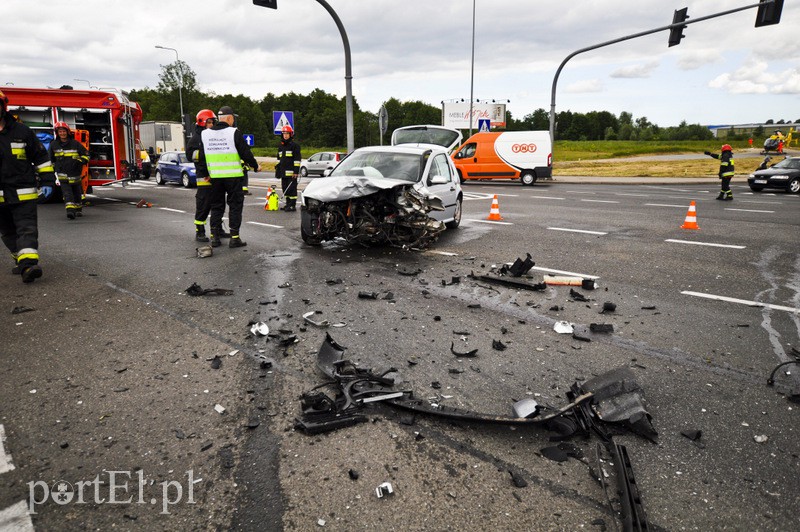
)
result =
(626, 38)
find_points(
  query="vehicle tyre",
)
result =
(794, 186)
(159, 178)
(456, 216)
(308, 239)
(527, 178)
(185, 181)
(303, 171)
(461, 177)
(756, 188)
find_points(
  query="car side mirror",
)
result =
(438, 180)
(458, 155)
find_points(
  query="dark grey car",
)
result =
(784, 174)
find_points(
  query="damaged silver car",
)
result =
(403, 196)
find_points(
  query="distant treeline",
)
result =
(320, 117)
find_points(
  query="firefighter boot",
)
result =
(721, 195)
(215, 242)
(71, 214)
(728, 195)
(200, 234)
(79, 212)
(31, 273)
(236, 242)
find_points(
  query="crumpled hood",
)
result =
(341, 188)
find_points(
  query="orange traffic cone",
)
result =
(494, 212)
(691, 218)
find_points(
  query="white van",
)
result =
(523, 155)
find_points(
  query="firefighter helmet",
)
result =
(287, 129)
(204, 115)
(3, 100)
(61, 125)
(726, 147)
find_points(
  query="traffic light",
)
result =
(676, 33)
(272, 4)
(769, 12)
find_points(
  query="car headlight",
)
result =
(780, 177)
(752, 176)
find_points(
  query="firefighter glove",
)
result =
(707, 152)
(47, 191)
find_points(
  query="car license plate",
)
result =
(760, 181)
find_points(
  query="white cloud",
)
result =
(636, 71)
(587, 85)
(698, 59)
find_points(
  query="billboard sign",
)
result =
(456, 115)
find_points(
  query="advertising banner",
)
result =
(456, 114)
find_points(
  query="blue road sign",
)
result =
(484, 125)
(280, 119)
(249, 139)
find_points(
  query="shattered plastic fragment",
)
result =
(760, 438)
(259, 329)
(384, 490)
(21, 309)
(586, 284)
(219, 408)
(197, 290)
(601, 327)
(563, 327)
(367, 295)
(519, 267)
(498, 345)
(608, 306)
(216, 362)
(525, 408)
(468, 354)
(693, 435)
(577, 296)
(517, 480)
(307, 318)
(555, 454)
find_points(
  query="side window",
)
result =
(468, 150)
(314, 157)
(440, 167)
(326, 157)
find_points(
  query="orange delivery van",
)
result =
(523, 155)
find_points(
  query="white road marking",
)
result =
(546, 197)
(487, 221)
(577, 231)
(665, 205)
(599, 201)
(635, 195)
(741, 301)
(172, 210)
(749, 210)
(562, 272)
(445, 253)
(266, 225)
(581, 192)
(704, 244)
(5, 459)
(16, 518)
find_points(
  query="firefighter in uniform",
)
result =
(205, 120)
(23, 159)
(288, 167)
(222, 149)
(69, 157)
(725, 171)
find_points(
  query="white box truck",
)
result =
(161, 136)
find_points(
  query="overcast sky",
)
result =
(725, 71)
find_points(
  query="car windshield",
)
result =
(789, 164)
(392, 165)
(183, 159)
(425, 135)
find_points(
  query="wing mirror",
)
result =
(438, 180)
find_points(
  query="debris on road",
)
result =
(21, 309)
(143, 204)
(197, 290)
(204, 252)
(219, 408)
(561, 280)
(512, 283)
(259, 329)
(519, 268)
(563, 327)
(307, 318)
(525, 408)
(384, 490)
(604, 328)
(609, 307)
(468, 354)
(577, 296)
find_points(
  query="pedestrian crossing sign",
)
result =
(282, 118)
(484, 124)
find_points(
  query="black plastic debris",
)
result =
(555, 454)
(511, 283)
(197, 290)
(353, 474)
(289, 340)
(693, 435)
(605, 328)
(388, 297)
(252, 423)
(468, 354)
(577, 296)
(454, 280)
(649, 307)
(608, 307)
(555, 308)
(455, 371)
(436, 385)
(408, 271)
(333, 281)
(216, 362)
(519, 268)
(21, 309)
(578, 337)
(474, 305)
(517, 480)
(497, 345)
(367, 295)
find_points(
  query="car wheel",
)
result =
(527, 178)
(794, 186)
(755, 188)
(185, 181)
(309, 239)
(159, 178)
(461, 177)
(303, 171)
(456, 216)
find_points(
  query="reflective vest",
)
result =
(726, 167)
(222, 158)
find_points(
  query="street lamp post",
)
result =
(180, 82)
(472, 69)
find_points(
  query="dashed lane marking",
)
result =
(5, 459)
(577, 231)
(16, 518)
(664, 205)
(266, 225)
(704, 244)
(756, 304)
(172, 210)
(749, 210)
(599, 201)
(546, 197)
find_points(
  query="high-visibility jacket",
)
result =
(68, 159)
(223, 148)
(725, 164)
(23, 161)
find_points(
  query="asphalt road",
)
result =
(112, 369)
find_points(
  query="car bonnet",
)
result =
(341, 188)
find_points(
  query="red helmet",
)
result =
(3, 100)
(61, 125)
(204, 115)
(287, 129)
(726, 147)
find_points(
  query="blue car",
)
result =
(174, 167)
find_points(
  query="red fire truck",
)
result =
(107, 121)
